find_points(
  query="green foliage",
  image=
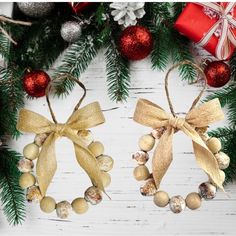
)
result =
(12, 98)
(4, 46)
(75, 61)
(11, 195)
(118, 76)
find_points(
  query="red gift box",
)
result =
(196, 20)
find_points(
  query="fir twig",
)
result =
(75, 62)
(12, 196)
(118, 76)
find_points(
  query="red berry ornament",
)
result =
(218, 74)
(135, 42)
(35, 83)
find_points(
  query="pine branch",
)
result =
(12, 98)
(118, 76)
(4, 46)
(232, 63)
(75, 62)
(177, 9)
(180, 51)
(11, 195)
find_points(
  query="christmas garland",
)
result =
(82, 29)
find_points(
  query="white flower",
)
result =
(127, 13)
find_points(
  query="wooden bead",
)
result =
(93, 195)
(79, 205)
(161, 198)
(106, 179)
(105, 162)
(63, 209)
(33, 194)
(146, 142)
(141, 173)
(214, 145)
(26, 180)
(177, 204)
(223, 160)
(47, 204)
(149, 188)
(207, 190)
(31, 151)
(96, 148)
(141, 157)
(193, 201)
(25, 165)
(86, 135)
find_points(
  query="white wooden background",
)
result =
(128, 212)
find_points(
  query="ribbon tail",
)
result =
(89, 163)
(208, 163)
(162, 156)
(46, 165)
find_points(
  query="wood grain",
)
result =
(128, 212)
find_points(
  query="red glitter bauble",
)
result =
(35, 83)
(218, 73)
(135, 42)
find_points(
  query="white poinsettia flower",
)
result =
(127, 13)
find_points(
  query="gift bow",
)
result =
(84, 118)
(150, 114)
(225, 20)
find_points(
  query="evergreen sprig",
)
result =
(118, 76)
(11, 195)
(75, 61)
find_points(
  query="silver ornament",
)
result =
(71, 31)
(207, 190)
(177, 204)
(36, 9)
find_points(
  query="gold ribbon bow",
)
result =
(84, 118)
(152, 115)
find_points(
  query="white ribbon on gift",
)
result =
(226, 21)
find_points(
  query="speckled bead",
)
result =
(93, 195)
(207, 190)
(223, 160)
(177, 204)
(25, 165)
(141, 157)
(63, 209)
(149, 188)
(33, 194)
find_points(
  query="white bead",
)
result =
(223, 160)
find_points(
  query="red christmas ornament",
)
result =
(79, 7)
(218, 73)
(35, 83)
(135, 42)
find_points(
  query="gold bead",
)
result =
(146, 142)
(26, 180)
(193, 201)
(106, 179)
(105, 163)
(161, 198)
(86, 135)
(96, 148)
(141, 173)
(31, 151)
(223, 160)
(47, 204)
(214, 145)
(79, 205)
